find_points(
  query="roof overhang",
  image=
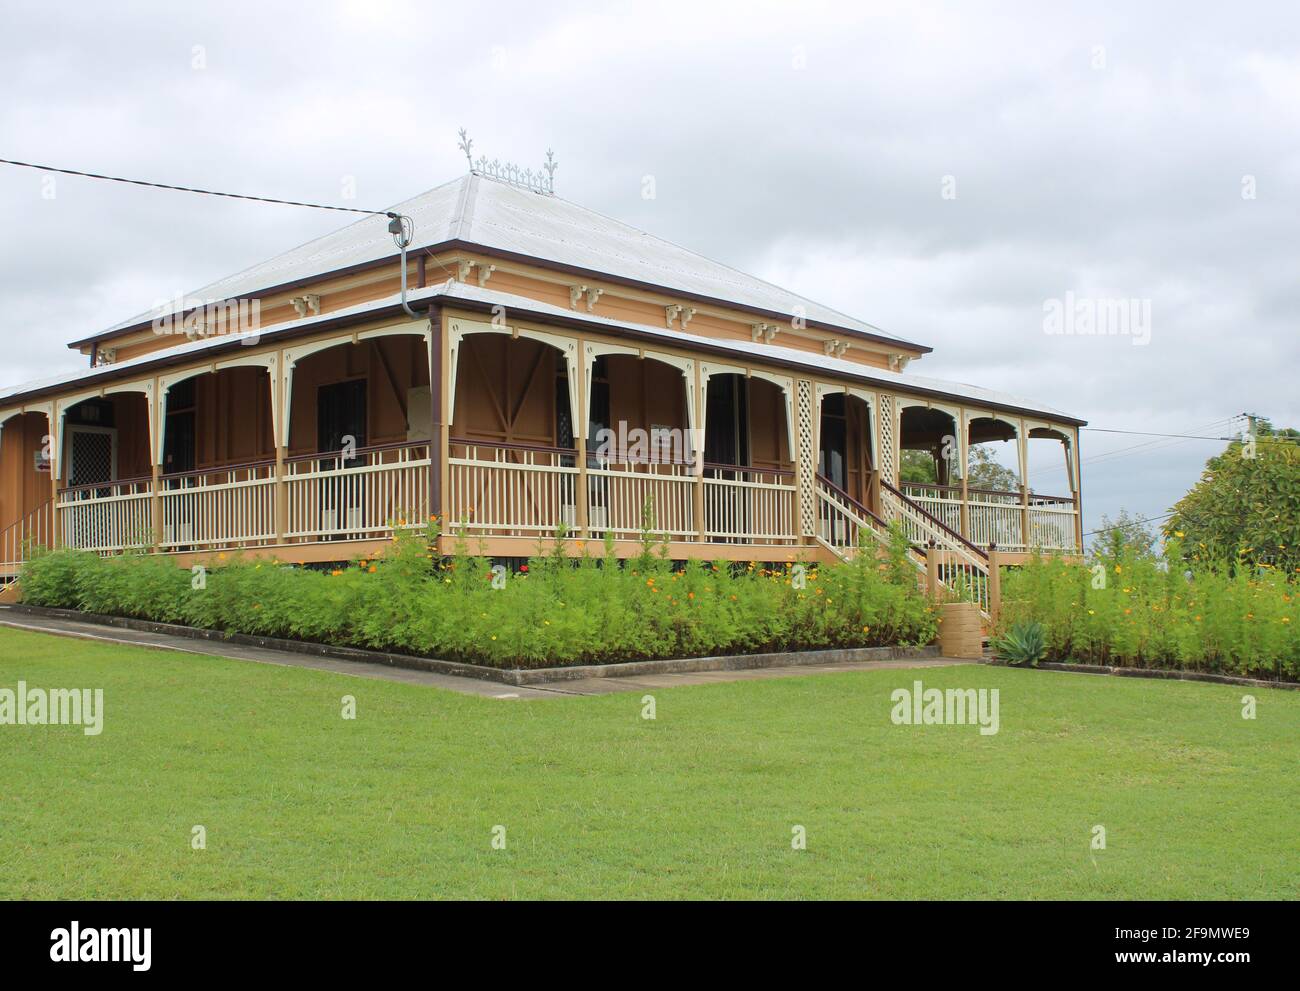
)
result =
(475, 299)
(457, 244)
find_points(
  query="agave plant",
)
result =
(1024, 643)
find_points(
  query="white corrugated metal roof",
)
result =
(902, 381)
(501, 217)
(452, 291)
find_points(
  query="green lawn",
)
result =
(297, 802)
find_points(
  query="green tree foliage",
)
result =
(1124, 534)
(917, 466)
(1245, 510)
(985, 472)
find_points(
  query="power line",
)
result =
(190, 189)
(1130, 523)
(1145, 447)
(1150, 433)
(1151, 446)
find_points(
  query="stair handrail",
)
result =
(23, 526)
(936, 522)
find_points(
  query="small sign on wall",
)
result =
(41, 462)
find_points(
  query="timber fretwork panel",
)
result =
(887, 457)
(807, 467)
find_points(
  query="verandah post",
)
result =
(54, 420)
(582, 497)
(1024, 516)
(439, 415)
(697, 496)
(156, 423)
(280, 415)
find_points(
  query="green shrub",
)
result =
(553, 610)
(1131, 611)
(1024, 643)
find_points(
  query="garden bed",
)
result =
(551, 612)
(1160, 674)
(1134, 615)
(505, 676)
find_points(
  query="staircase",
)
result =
(844, 525)
(36, 529)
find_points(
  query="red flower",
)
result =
(523, 568)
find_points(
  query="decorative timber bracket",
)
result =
(836, 348)
(678, 313)
(591, 293)
(765, 332)
(307, 303)
(897, 362)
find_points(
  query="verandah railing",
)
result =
(357, 494)
(108, 516)
(503, 489)
(218, 508)
(999, 518)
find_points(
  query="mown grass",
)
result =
(297, 802)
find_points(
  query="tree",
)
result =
(984, 471)
(917, 466)
(1122, 534)
(1246, 507)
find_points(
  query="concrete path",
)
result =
(466, 686)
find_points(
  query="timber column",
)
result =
(55, 422)
(440, 425)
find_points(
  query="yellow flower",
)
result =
(1179, 533)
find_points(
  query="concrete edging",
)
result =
(1159, 674)
(516, 677)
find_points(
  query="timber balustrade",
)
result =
(107, 516)
(357, 494)
(998, 518)
(218, 508)
(522, 490)
(525, 490)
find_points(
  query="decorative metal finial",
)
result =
(540, 181)
(465, 145)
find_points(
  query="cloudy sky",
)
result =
(944, 171)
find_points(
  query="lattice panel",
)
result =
(807, 467)
(888, 455)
